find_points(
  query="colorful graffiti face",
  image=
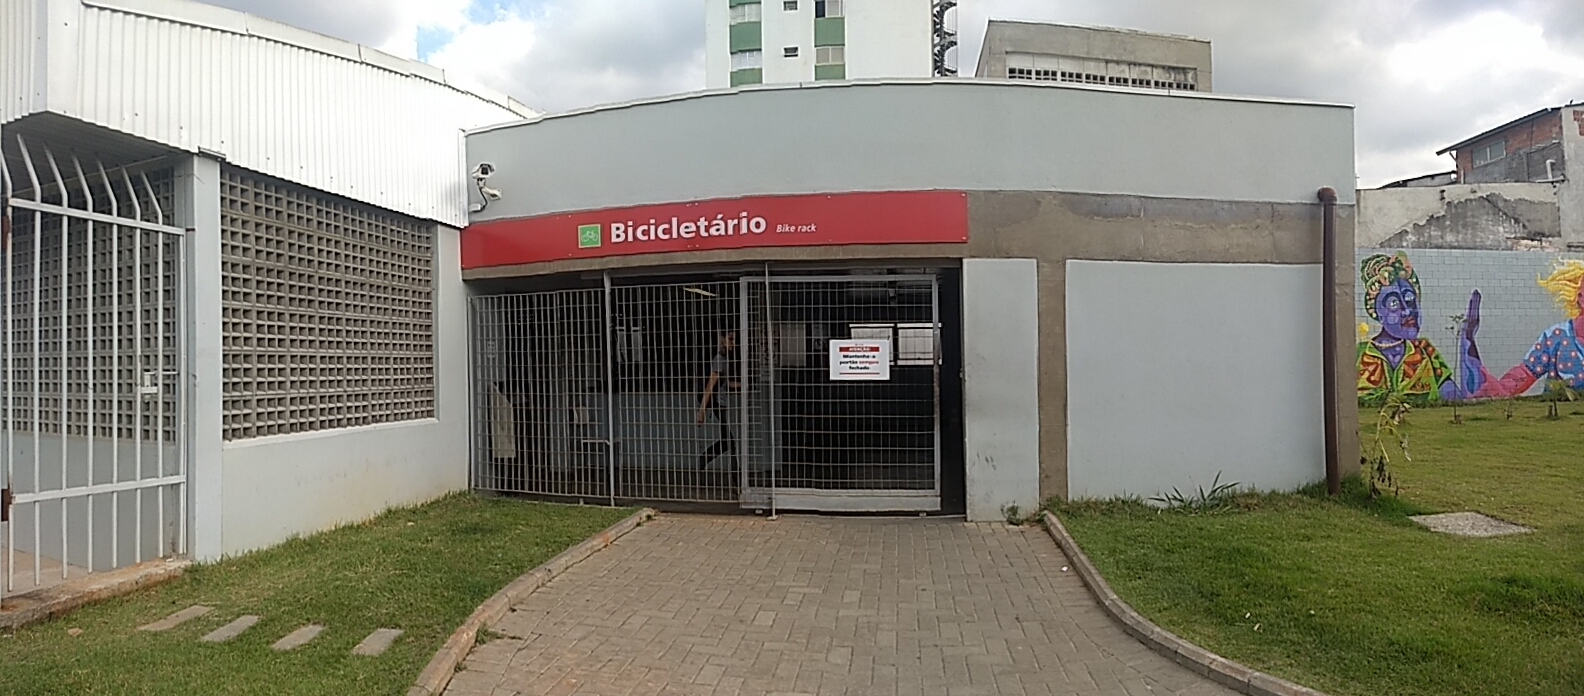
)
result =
(1397, 307)
(1397, 361)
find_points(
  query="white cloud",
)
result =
(1422, 74)
(488, 54)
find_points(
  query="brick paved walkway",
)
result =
(826, 606)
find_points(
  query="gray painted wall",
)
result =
(954, 135)
(1514, 309)
(1001, 349)
(1179, 372)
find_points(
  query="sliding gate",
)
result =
(599, 394)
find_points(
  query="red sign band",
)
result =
(908, 217)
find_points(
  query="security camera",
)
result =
(489, 193)
(483, 171)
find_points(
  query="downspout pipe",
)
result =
(1328, 332)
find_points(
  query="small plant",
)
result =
(1510, 407)
(1016, 517)
(1556, 391)
(1389, 433)
(1013, 514)
(1219, 496)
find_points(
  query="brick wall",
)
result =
(1528, 146)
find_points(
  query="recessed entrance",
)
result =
(830, 393)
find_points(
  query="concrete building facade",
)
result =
(267, 326)
(778, 41)
(1103, 284)
(1094, 55)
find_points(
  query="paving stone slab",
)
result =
(377, 642)
(177, 618)
(231, 630)
(824, 606)
(1469, 524)
(299, 637)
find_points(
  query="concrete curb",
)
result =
(1201, 661)
(57, 601)
(434, 678)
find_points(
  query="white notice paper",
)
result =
(867, 359)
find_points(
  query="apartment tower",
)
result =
(778, 41)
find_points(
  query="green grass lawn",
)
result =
(421, 569)
(1350, 597)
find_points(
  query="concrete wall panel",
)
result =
(1179, 372)
(1001, 353)
(1461, 215)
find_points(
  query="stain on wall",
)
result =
(1489, 221)
(1440, 325)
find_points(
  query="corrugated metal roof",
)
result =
(277, 100)
(16, 58)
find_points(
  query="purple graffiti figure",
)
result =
(1557, 355)
(1396, 361)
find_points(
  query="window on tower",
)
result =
(827, 8)
(745, 13)
(747, 60)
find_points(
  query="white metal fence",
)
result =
(94, 345)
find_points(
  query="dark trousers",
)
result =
(726, 444)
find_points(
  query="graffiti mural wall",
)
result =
(1438, 325)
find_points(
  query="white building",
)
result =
(256, 232)
(751, 42)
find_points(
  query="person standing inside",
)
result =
(722, 383)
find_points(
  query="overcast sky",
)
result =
(1423, 73)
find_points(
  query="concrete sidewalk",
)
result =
(826, 606)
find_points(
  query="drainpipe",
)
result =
(1328, 332)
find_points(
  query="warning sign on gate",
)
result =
(860, 360)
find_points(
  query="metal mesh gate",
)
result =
(94, 353)
(599, 393)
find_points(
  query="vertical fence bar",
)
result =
(935, 367)
(159, 367)
(184, 386)
(115, 367)
(742, 388)
(38, 412)
(770, 384)
(88, 287)
(61, 337)
(610, 391)
(137, 371)
(6, 193)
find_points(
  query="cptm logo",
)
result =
(589, 236)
